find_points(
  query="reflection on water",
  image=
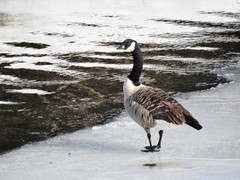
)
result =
(59, 70)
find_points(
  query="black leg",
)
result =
(149, 148)
(160, 139)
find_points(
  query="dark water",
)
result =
(67, 82)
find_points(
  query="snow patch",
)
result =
(9, 103)
(29, 91)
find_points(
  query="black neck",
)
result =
(137, 66)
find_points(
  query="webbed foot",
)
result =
(151, 149)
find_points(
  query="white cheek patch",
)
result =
(132, 47)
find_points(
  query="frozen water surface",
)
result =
(112, 22)
(112, 151)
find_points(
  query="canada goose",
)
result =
(151, 107)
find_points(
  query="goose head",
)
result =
(128, 45)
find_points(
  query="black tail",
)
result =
(191, 121)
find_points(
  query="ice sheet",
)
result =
(71, 22)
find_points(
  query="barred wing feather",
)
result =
(160, 105)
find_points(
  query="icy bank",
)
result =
(112, 151)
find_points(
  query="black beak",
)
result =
(121, 47)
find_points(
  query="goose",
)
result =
(151, 107)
